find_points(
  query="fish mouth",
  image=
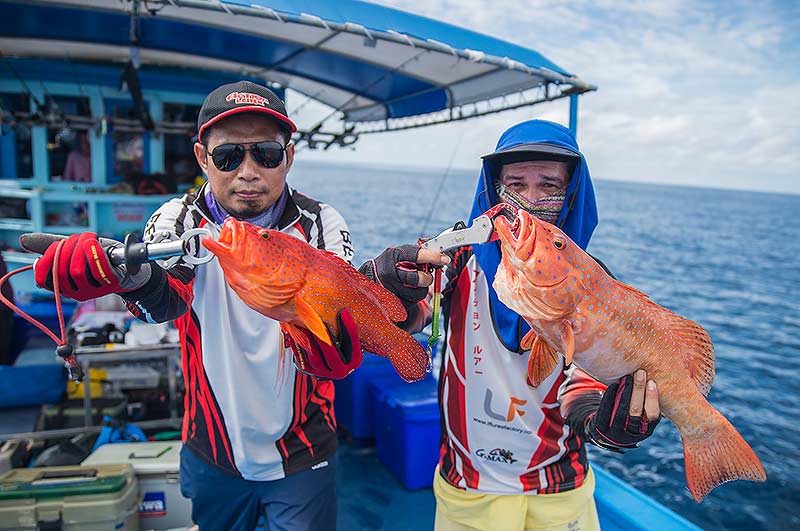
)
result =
(517, 237)
(223, 246)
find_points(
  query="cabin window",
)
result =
(16, 153)
(69, 152)
(127, 146)
(179, 161)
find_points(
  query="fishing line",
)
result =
(441, 184)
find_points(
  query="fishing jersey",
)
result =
(499, 436)
(245, 411)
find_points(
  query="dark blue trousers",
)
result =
(304, 501)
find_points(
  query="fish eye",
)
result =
(559, 244)
(265, 235)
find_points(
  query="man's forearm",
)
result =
(577, 408)
(161, 299)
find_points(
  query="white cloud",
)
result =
(693, 92)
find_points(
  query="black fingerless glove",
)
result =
(396, 270)
(605, 421)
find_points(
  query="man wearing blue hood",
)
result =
(513, 457)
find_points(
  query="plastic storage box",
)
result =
(69, 498)
(157, 467)
(354, 411)
(407, 431)
(132, 377)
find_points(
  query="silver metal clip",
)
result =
(479, 232)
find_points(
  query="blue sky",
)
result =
(698, 93)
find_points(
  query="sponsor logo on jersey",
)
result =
(514, 407)
(497, 455)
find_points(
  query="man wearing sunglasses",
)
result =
(259, 436)
(513, 457)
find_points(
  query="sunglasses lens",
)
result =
(269, 154)
(227, 157)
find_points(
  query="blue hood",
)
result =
(578, 217)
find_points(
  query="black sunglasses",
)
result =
(228, 157)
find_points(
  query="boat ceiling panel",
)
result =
(368, 61)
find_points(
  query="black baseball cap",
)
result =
(242, 96)
(530, 152)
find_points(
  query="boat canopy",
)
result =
(378, 68)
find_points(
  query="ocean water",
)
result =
(725, 259)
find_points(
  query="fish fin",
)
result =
(298, 337)
(698, 353)
(311, 320)
(273, 293)
(568, 340)
(633, 290)
(542, 362)
(386, 299)
(528, 340)
(716, 454)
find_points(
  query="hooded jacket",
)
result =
(498, 435)
(578, 217)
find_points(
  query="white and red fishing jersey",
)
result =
(245, 411)
(500, 436)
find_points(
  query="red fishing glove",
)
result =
(330, 362)
(84, 271)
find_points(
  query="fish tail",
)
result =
(407, 356)
(716, 454)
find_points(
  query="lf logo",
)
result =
(513, 408)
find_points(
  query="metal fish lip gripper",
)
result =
(480, 231)
(134, 253)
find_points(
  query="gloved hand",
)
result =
(84, 271)
(401, 271)
(627, 414)
(330, 362)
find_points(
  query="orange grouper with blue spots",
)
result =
(288, 280)
(610, 329)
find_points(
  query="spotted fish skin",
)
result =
(288, 280)
(610, 329)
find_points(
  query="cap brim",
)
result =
(532, 151)
(250, 108)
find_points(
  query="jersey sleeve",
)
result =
(168, 294)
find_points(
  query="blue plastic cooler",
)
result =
(407, 431)
(354, 409)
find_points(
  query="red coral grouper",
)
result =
(610, 329)
(290, 281)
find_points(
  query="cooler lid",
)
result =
(61, 481)
(146, 457)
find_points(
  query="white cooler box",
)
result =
(157, 467)
(69, 498)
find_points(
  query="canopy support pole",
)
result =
(573, 114)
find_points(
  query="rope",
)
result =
(56, 290)
(63, 349)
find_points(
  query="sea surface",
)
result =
(728, 260)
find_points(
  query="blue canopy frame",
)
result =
(378, 68)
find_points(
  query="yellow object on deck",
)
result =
(95, 379)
